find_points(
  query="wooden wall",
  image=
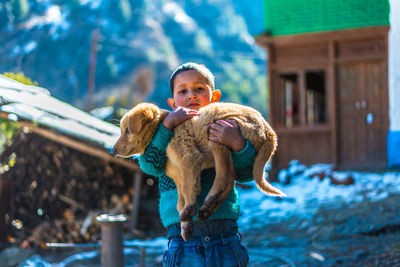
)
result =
(354, 65)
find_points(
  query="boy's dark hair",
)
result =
(202, 69)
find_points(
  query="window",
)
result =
(315, 90)
(302, 98)
(291, 92)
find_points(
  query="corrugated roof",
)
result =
(36, 104)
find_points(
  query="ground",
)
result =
(318, 224)
(321, 224)
(339, 234)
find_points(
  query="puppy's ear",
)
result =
(137, 121)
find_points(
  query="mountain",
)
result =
(139, 43)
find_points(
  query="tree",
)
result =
(20, 77)
(20, 9)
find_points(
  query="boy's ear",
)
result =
(216, 95)
(171, 103)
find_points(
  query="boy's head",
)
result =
(192, 86)
(203, 70)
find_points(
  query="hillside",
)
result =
(50, 42)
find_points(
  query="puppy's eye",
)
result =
(126, 130)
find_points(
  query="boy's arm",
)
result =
(227, 132)
(153, 160)
(154, 157)
(243, 162)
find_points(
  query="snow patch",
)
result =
(306, 193)
(179, 15)
(52, 16)
(29, 47)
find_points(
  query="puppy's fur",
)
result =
(190, 151)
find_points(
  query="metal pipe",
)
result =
(136, 200)
(112, 242)
(112, 250)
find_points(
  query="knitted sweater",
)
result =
(153, 162)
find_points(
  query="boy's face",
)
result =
(191, 90)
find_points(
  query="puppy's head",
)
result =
(136, 127)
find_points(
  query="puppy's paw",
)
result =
(204, 213)
(208, 208)
(187, 213)
(187, 230)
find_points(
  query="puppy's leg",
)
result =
(223, 183)
(190, 190)
(181, 200)
(172, 170)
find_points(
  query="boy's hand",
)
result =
(178, 116)
(227, 132)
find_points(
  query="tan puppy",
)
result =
(190, 151)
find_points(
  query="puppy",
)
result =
(190, 151)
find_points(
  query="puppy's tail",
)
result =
(263, 155)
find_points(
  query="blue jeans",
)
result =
(222, 250)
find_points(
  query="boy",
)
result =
(216, 241)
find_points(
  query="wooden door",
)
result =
(362, 108)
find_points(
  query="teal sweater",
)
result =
(153, 162)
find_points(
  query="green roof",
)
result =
(283, 17)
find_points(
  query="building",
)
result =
(331, 94)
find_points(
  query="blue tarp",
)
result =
(393, 146)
